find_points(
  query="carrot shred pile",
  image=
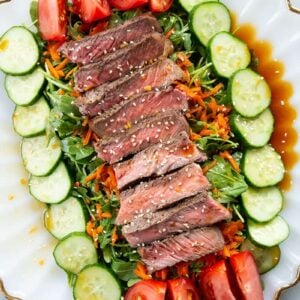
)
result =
(141, 271)
(232, 237)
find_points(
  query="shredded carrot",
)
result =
(169, 33)
(87, 137)
(71, 72)
(98, 211)
(184, 60)
(91, 177)
(85, 122)
(195, 136)
(226, 155)
(52, 70)
(106, 215)
(74, 94)
(99, 229)
(61, 92)
(99, 28)
(96, 187)
(141, 271)
(182, 269)
(231, 229)
(206, 132)
(61, 73)
(61, 66)
(90, 226)
(213, 91)
(209, 166)
(52, 49)
(114, 236)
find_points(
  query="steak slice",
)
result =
(116, 65)
(130, 111)
(152, 130)
(161, 192)
(158, 159)
(91, 48)
(158, 75)
(187, 246)
(194, 212)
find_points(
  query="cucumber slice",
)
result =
(228, 54)
(266, 258)
(31, 120)
(64, 218)
(19, 52)
(254, 132)
(97, 283)
(249, 93)
(262, 205)
(263, 166)
(25, 89)
(75, 252)
(188, 5)
(53, 188)
(41, 154)
(268, 234)
(209, 18)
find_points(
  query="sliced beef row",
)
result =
(100, 99)
(122, 116)
(194, 212)
(187, 246)
(149, 197)
(157, 160)
(91, 48)
(116, 65)
(156, 129)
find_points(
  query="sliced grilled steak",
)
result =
(91, 48)
(194, 212)
(161, 192)
(158, 159)
(158, 75)
(187, 246)
(160, 127)
(123, 115)
(116, 65)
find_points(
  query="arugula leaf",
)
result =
(229, 183)
(213, 143)
(123, 269)
(33, 11)
(65, 103)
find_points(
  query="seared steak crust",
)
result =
(158, 75)
(116, 65)
(187, 246)
(91, 48)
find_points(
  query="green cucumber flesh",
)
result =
(19, 52)
(41, 154)
(249, 93)
(75, 252)
(96, 282)
(53, 188)
(228, 54)
(262, 205)
(266, 258)
(64, 218)
(31, 120)
(253, 132)
(209, 18)
(188, 5)
(263, 166)
(25, 89)
(268, 234)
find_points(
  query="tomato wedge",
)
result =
(214, 283)
(52, 15)
(92, 10)
(182, 289)
(147, 290)
(245, 270)
(127, 4)
(160, 5)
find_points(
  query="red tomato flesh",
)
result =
(182, 289)
(160, 5)
(214, 283)
(127, 4)
(147, 290)
(92, 10)
(52, 15)
(247, 277)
